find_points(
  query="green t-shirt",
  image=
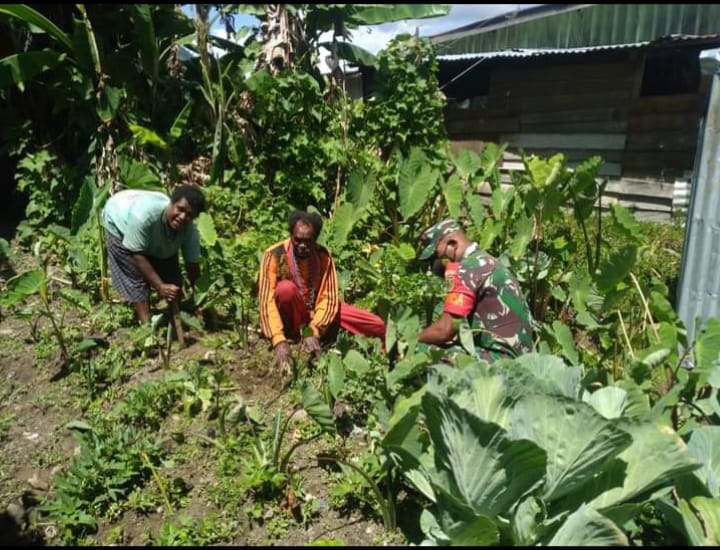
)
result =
(138, 218)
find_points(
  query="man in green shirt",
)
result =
(143, 232)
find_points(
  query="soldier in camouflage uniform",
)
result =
(481, 290)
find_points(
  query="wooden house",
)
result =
(619, 80)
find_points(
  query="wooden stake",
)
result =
(178, 323)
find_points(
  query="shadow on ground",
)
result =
(11, 534)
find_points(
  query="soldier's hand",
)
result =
(311, 345)
(283, 355)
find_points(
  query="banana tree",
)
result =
(96, 83)
(291, 31)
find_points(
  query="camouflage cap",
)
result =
(432, 235)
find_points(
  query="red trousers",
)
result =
(294, 314)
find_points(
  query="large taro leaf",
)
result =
(545, 172)
(577, 440)
(704, 445)
(584, 293)
(655, 457)
(467, 162)
(206, 228)
(416, 180)
(342, 223)
(405, 443)
(524, 226)
(360, 188)
(24, 285)
(317, 409)
(564, 338)
(587, 527)
(476, 210)
(483, 468)
(626, 222)
(692, 525)
(453, 191)
(616, 268)
(671, 515)
(407, 366)
(402, 436)
(335, 375)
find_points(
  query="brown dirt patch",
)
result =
(35, 445)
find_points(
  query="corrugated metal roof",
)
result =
(583, 25)
(539, 52)
(536, 52)
(506, 19)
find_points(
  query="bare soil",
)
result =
(36, 403)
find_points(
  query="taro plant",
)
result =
(158, 333)
(267, 472)
(386, 503)
(58, 242)
(317, 410)
(363, 386)
(37, 283)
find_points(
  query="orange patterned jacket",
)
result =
(322, 295)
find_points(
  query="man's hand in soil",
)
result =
(283, 355)
(311, 345)
(168, 291)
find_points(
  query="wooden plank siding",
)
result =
(548, 106)
(663, 134)
(584, 106)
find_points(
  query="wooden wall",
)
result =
(583, 105)
(550, 105)
(663, 133)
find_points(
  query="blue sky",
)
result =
(374, 38)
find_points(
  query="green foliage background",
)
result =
(105, 98)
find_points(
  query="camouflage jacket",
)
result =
(481, 289)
